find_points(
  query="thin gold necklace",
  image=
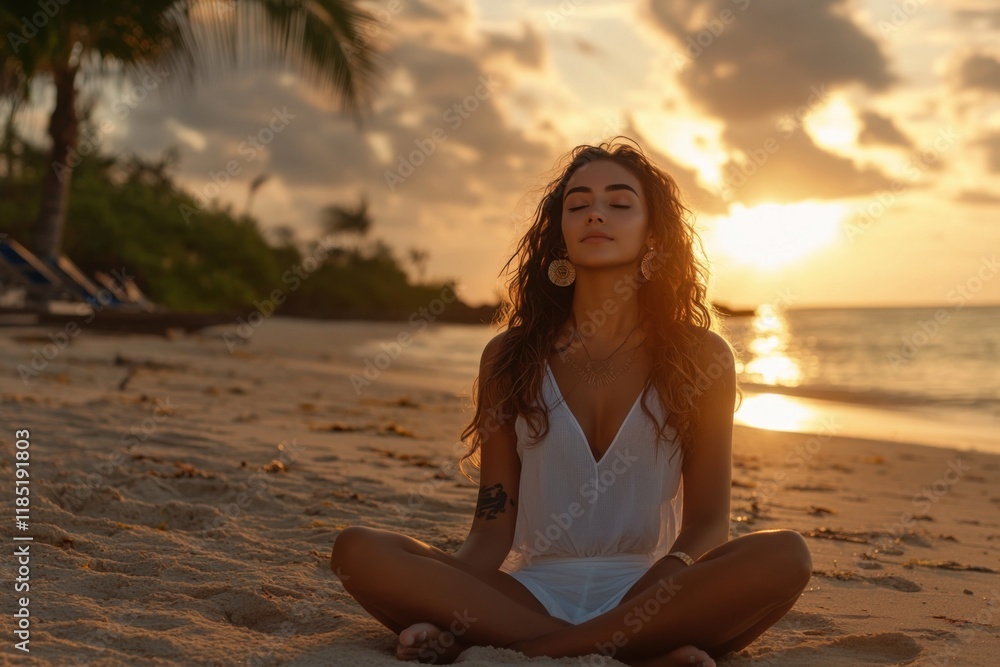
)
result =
(602, 372)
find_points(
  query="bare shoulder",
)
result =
(714, 357)
(716, 349)
(492, 348)
(712, 348)
(491, 353)
(491, 393)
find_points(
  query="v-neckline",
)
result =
(576, 422)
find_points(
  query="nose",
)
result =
(591, 216)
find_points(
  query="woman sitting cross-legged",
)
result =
(603, 435)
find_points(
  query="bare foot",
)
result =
(426, 642)
(685, 655)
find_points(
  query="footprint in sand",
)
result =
(806, 624)
(886, 580)
(897, 583)
(885, 648)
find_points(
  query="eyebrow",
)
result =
(613, 186)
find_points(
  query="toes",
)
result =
(703, 659)
(414, 635)
(690, 655)
(413, 641)
(409, 652)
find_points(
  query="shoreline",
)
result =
(187, 517)
(960, 429)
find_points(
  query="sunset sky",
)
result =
(837, 152)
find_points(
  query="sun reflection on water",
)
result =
(776, 413)
(768, 363)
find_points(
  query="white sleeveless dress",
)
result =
(588, 530)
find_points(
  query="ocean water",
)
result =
(923, 375)
(875, 356)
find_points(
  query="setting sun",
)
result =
(770, 236)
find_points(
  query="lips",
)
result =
(596, 235)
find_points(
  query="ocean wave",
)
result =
(876, 397)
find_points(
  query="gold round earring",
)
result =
(647, 264)
(562, 272)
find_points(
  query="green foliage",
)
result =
(129, 216)
(360, 285)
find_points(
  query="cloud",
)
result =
(429, 10)
(989, 17)
(878, 129)
(479, 142)
(745, 60)
(437, 111)
(528, 50)
(693, 195)
(586, 47)
(979, 197)
(992, 145)
(980, 72)
(761, 67)
(315, 147)
(786, 166)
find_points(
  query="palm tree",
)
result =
(13, 89)
(84, 42)
(418, 257)
(283, 235)
(254, 186)
(338, 219)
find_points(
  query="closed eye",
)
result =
(577, 208)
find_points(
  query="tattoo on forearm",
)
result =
(492, 501)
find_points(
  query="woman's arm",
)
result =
(707, 468)
(492, 531)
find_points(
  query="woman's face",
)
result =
(604, 197)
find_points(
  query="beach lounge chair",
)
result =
(29, 267)
(85, 289)
(22, 272)
(55, 281)
(127, 291)
(108, 283)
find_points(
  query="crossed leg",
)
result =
(402, 581)
(727, 598)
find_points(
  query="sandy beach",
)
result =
(184, 500)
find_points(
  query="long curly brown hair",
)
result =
(673, 307)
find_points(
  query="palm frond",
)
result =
(324, 41)
(338, 219)
(321, 40)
